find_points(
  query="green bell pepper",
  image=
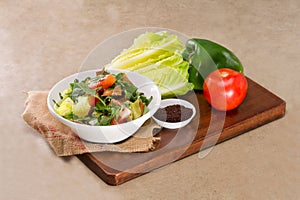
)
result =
(205, 57)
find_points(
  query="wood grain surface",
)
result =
(208, 128)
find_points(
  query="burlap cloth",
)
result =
(65, 142)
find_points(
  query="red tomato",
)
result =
(108, 81)
(225, 89)
(107, 93)
(115, 122)
(92, 100)
(95, 85)
(104, 83)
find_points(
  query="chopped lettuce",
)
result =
(158, 57)
(66, 93)
(65, 108)
(82, 107)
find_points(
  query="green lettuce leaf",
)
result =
(158, 57)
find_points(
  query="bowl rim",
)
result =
(142, 118)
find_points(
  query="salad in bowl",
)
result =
(104, 106)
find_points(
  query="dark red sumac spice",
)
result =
(173, 113)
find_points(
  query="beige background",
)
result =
(43, 41)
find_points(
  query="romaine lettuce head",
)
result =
(158, 57)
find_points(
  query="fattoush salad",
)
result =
(106, 99)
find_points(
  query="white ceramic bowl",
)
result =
(175, 125)
(112, 133)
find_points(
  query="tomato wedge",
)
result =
(107, 92)
(92, 100)
(104, 83)
(108, 81)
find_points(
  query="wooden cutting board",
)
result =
(208, 128)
